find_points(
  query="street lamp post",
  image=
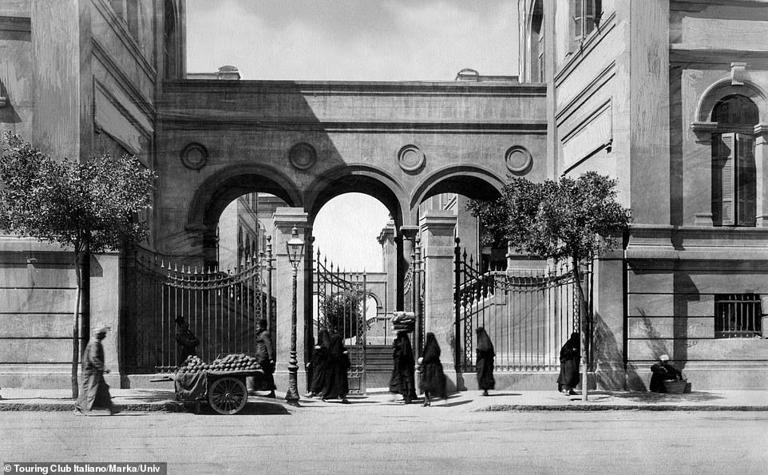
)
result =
(295, 247)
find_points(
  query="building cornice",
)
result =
(217, 122)
(356, 88)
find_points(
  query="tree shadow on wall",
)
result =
(657, 347)
(608, 352)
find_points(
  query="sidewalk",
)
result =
(145, 400)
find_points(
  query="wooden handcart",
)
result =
(225, 391)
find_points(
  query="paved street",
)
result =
(392, 438)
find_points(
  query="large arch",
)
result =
(357, 179)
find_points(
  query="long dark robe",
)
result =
(94, 391)
(403, 378)
(569, 364)
(432, 375)
(336, 380)
(319, 363)
(484, 363)
(663, 372)
(265, 356)
(186, 344)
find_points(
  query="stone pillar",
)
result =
(407, 240)
(761, 174)
(105, 280)
(437, 231)
(608, 322)
(285, 219)
(389, 265)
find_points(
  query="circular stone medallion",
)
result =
(194, 156)
(518, 159)
(302, 156)
(411, 158)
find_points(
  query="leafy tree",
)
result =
(565, 220)
(89, 206)
(344, 311)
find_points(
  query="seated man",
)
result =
(663, 371)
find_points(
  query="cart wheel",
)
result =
(227, 395)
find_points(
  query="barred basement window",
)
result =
(737, 316)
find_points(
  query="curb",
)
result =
(614, 407)
(168, 406)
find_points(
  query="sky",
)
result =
(366, 40)
(352, 40)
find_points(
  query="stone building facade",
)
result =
(669, 97)
(78, 78)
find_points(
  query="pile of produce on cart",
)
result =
(221, 383)
(238, 362)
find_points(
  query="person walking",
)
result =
(403, 366)
(318, 365)
(338, 363)
(570, 355)
(186, 341)
(265, 356)
(432, 381)
(94, 391)
(484, 364)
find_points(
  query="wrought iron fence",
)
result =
(528, 313)
(339, 300)
(220, 306)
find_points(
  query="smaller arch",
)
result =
(724, 88)
(469, 180)
(219, 189)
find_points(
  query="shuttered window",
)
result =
(734, 178)
(585, 16)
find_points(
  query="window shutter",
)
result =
(576, 21)
(746, 185)
(723, 179)
(589, 16)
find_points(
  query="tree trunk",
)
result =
(80, 320)
(76, 329)
(583, 328)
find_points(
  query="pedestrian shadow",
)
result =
(501, 394)
(452, 404)
(253, 409)
(693, 396)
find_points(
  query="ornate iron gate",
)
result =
(339, 300)
(221, 308)
(528, 314)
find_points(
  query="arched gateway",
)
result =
(307, 142)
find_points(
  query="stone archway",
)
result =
(307, 142)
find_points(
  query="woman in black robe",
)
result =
(403, 378)
(570, 355)
(432, 377)
(336, 380)
(484, 364)
(318, 365)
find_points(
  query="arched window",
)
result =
(734, 189)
